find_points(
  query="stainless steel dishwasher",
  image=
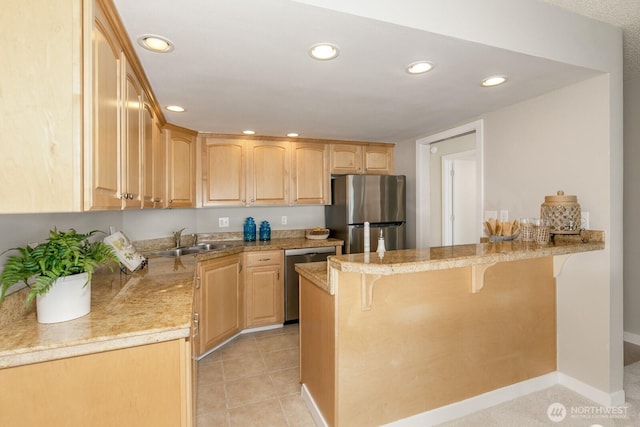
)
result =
(291, 286)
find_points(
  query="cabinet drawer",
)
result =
(255, 259)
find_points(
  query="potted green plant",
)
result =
(57, 272)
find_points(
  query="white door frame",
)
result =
(423, 193)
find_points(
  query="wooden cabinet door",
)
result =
(264, 288)
(311, 181)
(378, 160)
(148, 135)
(102, 163)
(224, 172)
(132, 141)
(346, 159)
(268, 173)
(220, 301)
(159, 166)
(181, 191)
(143, 385)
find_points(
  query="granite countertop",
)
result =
(152, 305)
(440, 258)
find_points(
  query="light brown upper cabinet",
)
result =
(103, 154)
(268, 173)
(159, 166)
(41, 107)
(223, 172)
(131, 141)
(310, 178)
(148, 136)
(378, 159)
(237, 172)
(346, 159)
(181, 173)
(362, 159)
(120, 172)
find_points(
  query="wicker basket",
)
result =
(562, 213)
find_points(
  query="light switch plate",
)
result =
(504, 215)
(584, 220)
(223, 222)
(283, 220)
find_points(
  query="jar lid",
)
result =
(560, 198)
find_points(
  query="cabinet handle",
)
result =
(278, 274)
(157, 200)
(240, 264)
(170, 201)
(253, 200)
(264, 259)
(196, 324)
(197, 282)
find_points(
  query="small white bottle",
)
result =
(381, 249)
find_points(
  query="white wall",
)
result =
(20, 229)
(562, 141)
(148, 224)
(632, 209)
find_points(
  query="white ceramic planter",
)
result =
(67, 299)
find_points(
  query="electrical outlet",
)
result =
(504, 215)
(283, 220)
(490, 214)
(584, 220)
(223, 222)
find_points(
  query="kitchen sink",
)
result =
(198, 249)
(211, 246)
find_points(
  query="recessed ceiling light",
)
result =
(249, 132)
(419, 67)
(493, 81)
(324, 51)
(175, 108)
(292, 135)
(155, 43)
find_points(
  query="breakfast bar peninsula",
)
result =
(386, 338)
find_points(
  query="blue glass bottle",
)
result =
(265, 231)
(249, 230)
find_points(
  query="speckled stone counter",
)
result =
(152, 305)
(149, 306)
(445, 257)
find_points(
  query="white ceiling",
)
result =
(620, 13)
(243, 64)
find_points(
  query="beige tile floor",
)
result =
(253, 381)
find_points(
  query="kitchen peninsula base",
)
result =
(426, 340)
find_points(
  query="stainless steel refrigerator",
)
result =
(377, 199)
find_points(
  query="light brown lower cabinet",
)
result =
(264, 286)
(148, 385)
(220, 301)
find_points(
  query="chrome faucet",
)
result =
(177, 235)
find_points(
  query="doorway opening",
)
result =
(449, 187)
